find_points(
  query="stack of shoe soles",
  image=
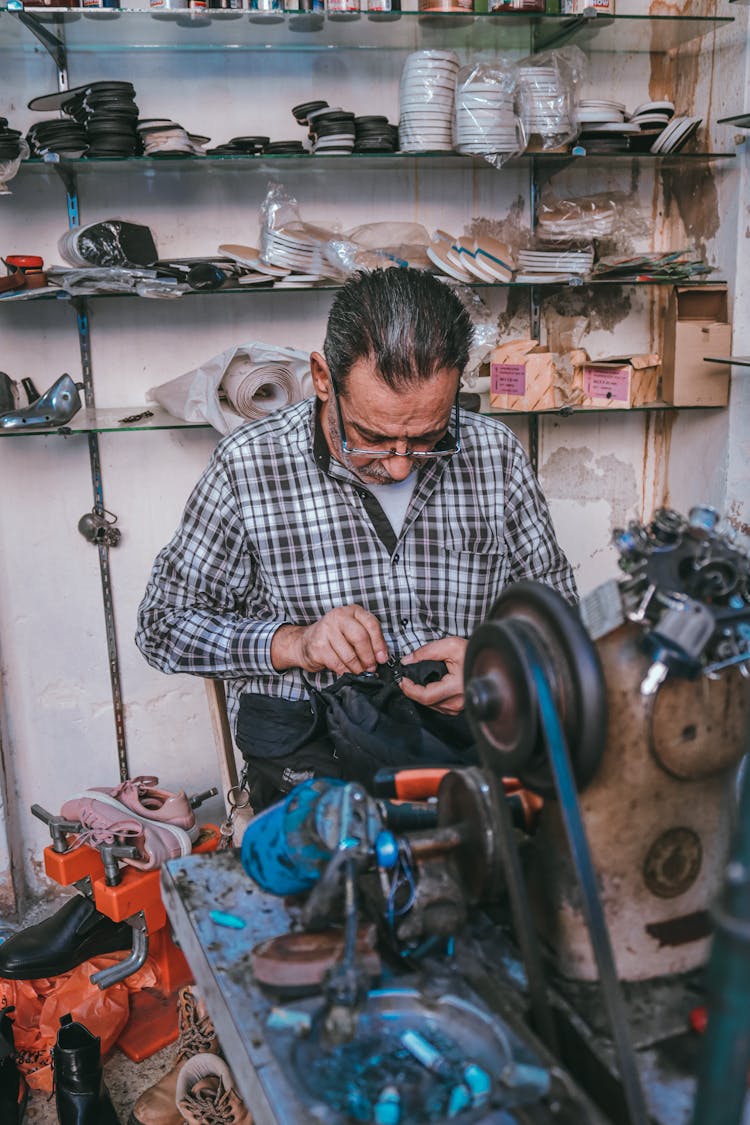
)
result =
(240, 146)
(161, 826)
(104, 118)
(285, 148)
(10, 142)
(162, 137)
(199, 1088)
(331, 129)
(375, 134)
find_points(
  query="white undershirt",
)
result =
(394, 499)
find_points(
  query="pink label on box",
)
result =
(604, 382)
(508, 378)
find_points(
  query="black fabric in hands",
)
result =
(364, 720)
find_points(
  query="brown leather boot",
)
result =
(206, 1094)
(156, 1106)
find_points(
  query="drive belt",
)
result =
(592, 907)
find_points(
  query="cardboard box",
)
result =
(696, 325)
(617, 382)
(522, 377)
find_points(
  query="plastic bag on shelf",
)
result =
(287, 241)
(485, 120)
(100, 279)
(485, 337)
(110, 242)
(576, 220)
(9, 167)
(243, 383)
(380, 246)
(547, 97)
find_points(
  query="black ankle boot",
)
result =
(80, 1094)
(13, 1089)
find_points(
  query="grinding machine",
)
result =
(588, 850)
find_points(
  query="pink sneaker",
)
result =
(141, 796)
(103, 820)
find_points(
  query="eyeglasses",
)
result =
(417, 454)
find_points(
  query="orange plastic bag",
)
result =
(40, 1003)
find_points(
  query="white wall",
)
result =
(598, 471)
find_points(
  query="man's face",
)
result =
(376, 417)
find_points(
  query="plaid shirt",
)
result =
(278, 532)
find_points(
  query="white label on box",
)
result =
(603, 382)
(575, 7)
(508, 378)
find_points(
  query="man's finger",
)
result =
(349, 660)
(432, 694)
(374, 631)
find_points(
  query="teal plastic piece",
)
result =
(479, 1083)
(459, 1100)
(388, 1107)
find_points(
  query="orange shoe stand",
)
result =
(153, 1012)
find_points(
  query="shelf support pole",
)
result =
(84, 342)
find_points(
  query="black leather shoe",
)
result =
(81, 1098)
(68, 938)
(14, 1092)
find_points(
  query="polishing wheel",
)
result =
(466, 800)
(531, 621)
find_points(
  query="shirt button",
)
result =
(395, 559)
(404, 622)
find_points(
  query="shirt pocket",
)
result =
(457, 582)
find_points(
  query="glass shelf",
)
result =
(332, 287)
(107, 420)
(740, 121)
(732, 360)
(581, 411)
(106, 30)
(365, 162)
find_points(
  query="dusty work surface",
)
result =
(264, 1060)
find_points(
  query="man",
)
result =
(375, 522)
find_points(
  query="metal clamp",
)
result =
(111, 855)
(59, 828)
(104, 978)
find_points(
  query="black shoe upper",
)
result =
(13, 1088)
(81, 1098)
(66, 939)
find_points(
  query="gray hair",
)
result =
(410, 323)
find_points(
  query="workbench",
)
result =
(219, 957)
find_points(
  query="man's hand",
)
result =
(446, 695)
(346, 639)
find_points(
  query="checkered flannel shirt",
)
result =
(277, 532)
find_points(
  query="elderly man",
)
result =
(374, 523)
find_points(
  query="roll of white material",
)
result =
(257, 389)
(243, 383)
